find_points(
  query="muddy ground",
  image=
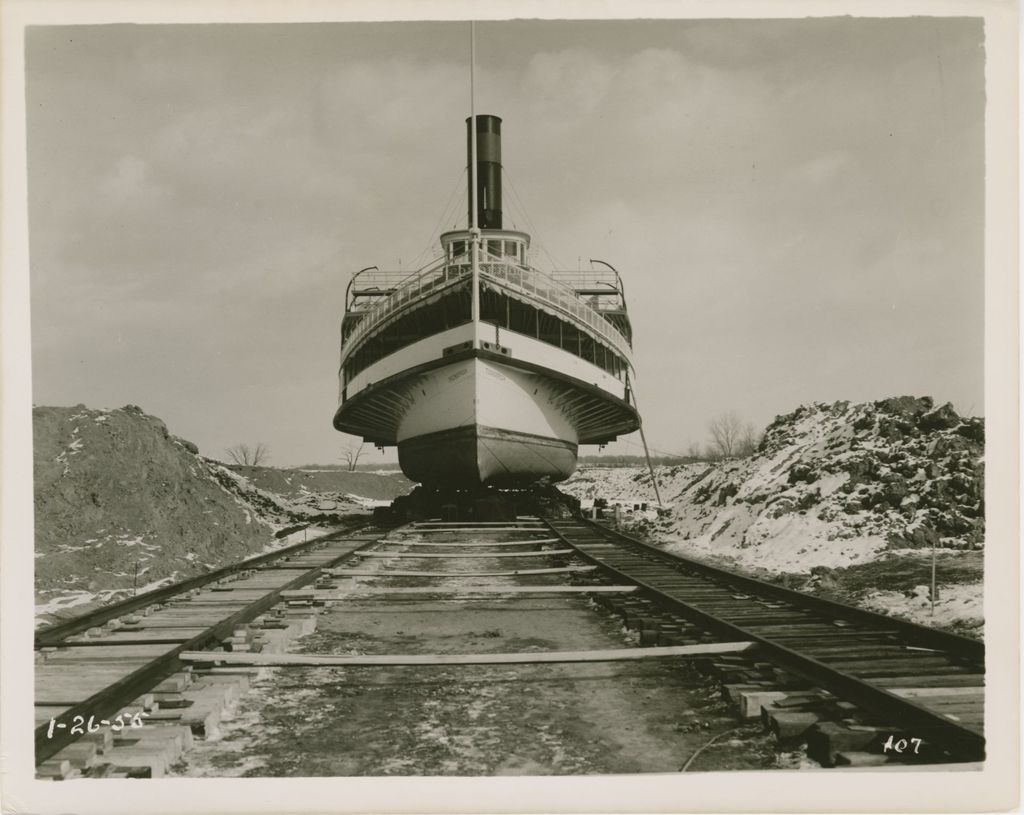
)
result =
(626, 717)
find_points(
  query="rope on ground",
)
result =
(705, 746)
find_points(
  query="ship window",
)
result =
(511, 249)
(571, 338)
(494, 248)
(587, 347)
(458, 248)
(522, 318)
(493, 307)
(550, 331)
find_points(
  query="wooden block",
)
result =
(57, 768)
(171, 701)
(731, 690)
(80, 755)
(826, 739)
(153, 759)
(790, 726)
(169, 738)
(174, 684)
(751, 702)
(181, 733)
(237, 680)
(202, 720)
(165, 716)
(102, 738)
(853, 758)
(799, 699)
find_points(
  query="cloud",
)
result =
(128, 184)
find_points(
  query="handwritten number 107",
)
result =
(900, 745)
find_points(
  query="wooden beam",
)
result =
(447, 555)
(396, 573)
(524, 658)
(363, 591)
(461, 529)
(464, 544)
(533, 521)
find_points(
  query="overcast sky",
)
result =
(796, 207)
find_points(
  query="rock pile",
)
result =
(831, 485)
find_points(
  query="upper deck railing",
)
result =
(393, 293)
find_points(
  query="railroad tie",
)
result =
(524, 658)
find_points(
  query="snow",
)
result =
(368, 503)
(65, 599)
(295, 537)
(962, 602)
(813, 495)
(72, 449)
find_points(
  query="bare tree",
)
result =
(726, 432)
(749, 441)
(248, 456)
(352, 453)
(694, 451)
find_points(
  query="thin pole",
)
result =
(933, 576)
(474, 230)
(643, 438)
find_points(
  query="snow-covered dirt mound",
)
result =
(121, 504)
(830, 485)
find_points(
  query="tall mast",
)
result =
(474, 229)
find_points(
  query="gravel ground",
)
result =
(629, 717)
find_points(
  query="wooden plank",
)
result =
(542, 553)
(932, 681)
(396, 573)
(911, 693)
(611, 655)
(464, 544)
(521, 520)
(452, 530)
(364, 591)
(125, 641)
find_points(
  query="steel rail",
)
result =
(56, 633)
(120, 694)
(961, 742)
(963, 647)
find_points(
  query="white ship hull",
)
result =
(480, 422)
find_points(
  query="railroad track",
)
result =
(857, 687)
(107, 672)
(921, 686)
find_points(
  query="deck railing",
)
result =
(539, 286)
(528, 281)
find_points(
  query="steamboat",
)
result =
(482, 369)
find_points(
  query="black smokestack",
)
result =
(488, 171)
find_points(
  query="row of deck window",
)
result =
(499, 309)
(453, 309)
(515, 250)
